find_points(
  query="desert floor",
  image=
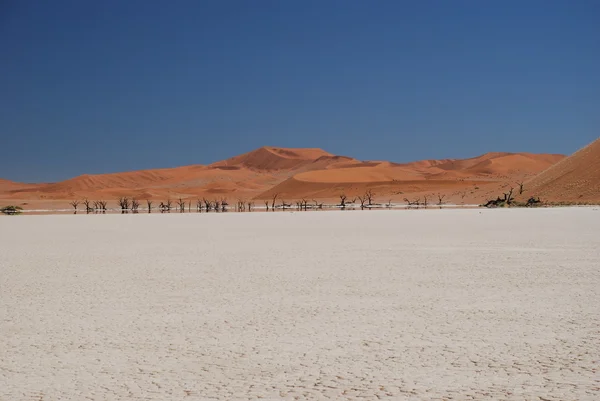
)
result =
(413, 304)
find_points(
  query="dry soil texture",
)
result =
(437, 304)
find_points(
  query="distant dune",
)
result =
(573, 179)
(299, 173)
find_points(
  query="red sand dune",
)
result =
(295, 174)
(573, 179)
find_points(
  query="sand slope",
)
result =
(295, 173)
(576, 178)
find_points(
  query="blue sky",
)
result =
(92, 87)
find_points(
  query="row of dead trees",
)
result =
(126, 204)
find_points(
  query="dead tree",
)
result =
(102, 206)
(362, 200)
(285, 205)
(149, 203)
(267, 205)
(533, 202)
(190, 206)
(250, 206)
(124, 203)
(74, 203)
(441, 199)
(96, 206)
(207, 204)
(425, 201)
(88, 208)
(520, 184)
(318, 205)
(343, 201)
(216, 205)
(224, 204)
(389, 204)
(415, 202)
(304, 204)
(369, 195)
(135, 204)
(508, 198)
(181, 205)
(274, 199)
(199, 205)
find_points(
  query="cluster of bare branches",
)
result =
(499, 202)
(90, 206)
(135, 205)
(165, 206)
(124, 204)
(243, 205)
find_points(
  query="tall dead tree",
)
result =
(369, 195)
(149, 203)
(441, 199)
(102, 206)
(362, 199)
(343, 201)
(124, 203)
(520, 184)
(274, 199)
(425, 201)
(135, 205)
(88, 208)
(267, 205)
(74, 203)
(199, 205)
(207, 204)
(304, 204)
(181, 205)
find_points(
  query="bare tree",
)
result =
(250, 206)
(362, 200)
(415, 202)
(207, 204)
(102, 206)
(343, 201)
(369, 195)
(425, 201)
(165, 207)
(124, 203)
(190, 206)
(216, 205)
(285, 205)
(224, 204)
(520, 184)
(88, 208)
(74, 203)
(318, 205)
(199, 205)
(304, 204)
(441, 199)
(149, 203)
(508, 198)
(274, 199)
(135, 204)
(267, 205)
(181, 205)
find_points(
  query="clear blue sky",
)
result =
(104, 86)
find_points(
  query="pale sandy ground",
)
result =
(423, 305)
